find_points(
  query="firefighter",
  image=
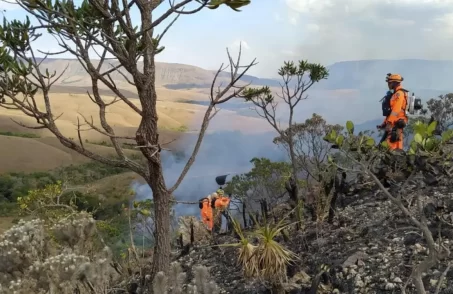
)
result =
(206, 212)
(394, 109)
(215, 203)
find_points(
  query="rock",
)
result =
(354, 258)
(397, 280)
(390, 286)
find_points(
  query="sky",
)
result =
(324, 31)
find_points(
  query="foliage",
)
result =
(174, 282)
(428, 157)
(21, 135)
(267, 259)
(265, 180)
(297, 79)
(441, 109)
(55, 202)
(13, 185)
(110, 28)
(310, 148)
(46, 203)
(105, 143)
(425, 142)
(361, 143)
(35, 258)
(182, 129)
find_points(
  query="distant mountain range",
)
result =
(352, 91)
(429, 76)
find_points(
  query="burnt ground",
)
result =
(370, 248)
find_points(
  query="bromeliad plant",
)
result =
(268, 259)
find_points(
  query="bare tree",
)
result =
(297, 79)
(106, 28)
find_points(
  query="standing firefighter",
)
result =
(211, 208)
(394, 109)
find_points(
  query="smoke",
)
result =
(224, 152)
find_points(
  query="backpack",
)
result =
(386, 109)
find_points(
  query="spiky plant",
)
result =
(246, 257)
(272, 258)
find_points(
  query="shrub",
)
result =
(62, 258)
(21, 135)
(174, 283)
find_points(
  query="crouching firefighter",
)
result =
(394, 106)
(211, 208)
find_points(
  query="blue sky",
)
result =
(323, 31)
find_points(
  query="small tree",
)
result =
(265, 183)
(297, 79)
(441, 110)
(107, 29)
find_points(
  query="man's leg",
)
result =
(392, 145)
(401, 139)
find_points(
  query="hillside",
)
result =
(351, 87)
(169, 76)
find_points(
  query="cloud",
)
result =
(335, 30)
(241, 43)
(290, 53)
(8, 5)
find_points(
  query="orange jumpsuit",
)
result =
(221, 203)
(398, 104)
(206, 213)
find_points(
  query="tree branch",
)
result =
(215, 100)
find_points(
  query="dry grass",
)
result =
(31, 155)
(119, 185)
(172, 115)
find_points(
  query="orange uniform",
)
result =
(220, 203)
(206, 213)
(397, 119)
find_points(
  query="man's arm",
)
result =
(397, 107)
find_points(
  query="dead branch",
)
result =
(219, 98)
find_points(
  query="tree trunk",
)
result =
(147, 135)
(162, 246)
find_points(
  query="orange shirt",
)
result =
(398, 104)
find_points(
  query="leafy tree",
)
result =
(310, 148)
(266, 181)
(441, 109)
(107, 29)
(297, 79)
(427, 156)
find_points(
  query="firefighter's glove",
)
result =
(381, 126)
(388, 127)
(394, 135)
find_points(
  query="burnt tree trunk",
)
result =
(244, 214)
